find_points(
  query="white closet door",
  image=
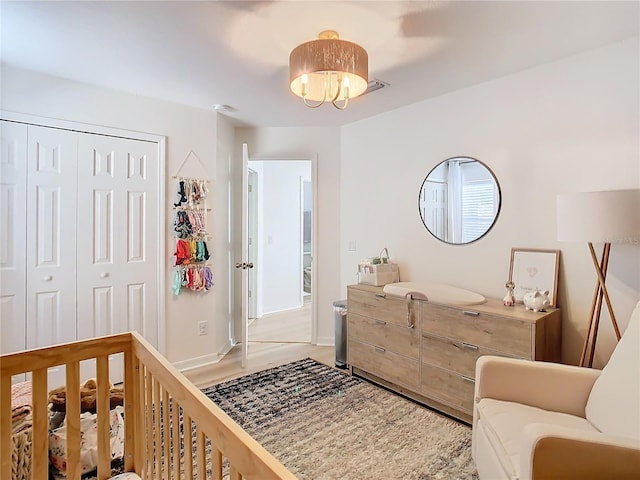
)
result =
(117, 246)
(13, 236)
(51, 248)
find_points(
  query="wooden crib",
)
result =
(155, 445)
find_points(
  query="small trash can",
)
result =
(340, 318)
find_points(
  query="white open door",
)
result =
(243, 265)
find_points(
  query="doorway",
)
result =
(280, 245)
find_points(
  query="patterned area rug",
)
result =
(323, 424)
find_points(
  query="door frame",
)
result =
(160, 140)
(313, 158)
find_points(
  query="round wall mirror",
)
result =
(459, 200)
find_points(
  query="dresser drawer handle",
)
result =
(470, 313)
(468, 379)
(469, 346)
(380, 322)
(379, 349)
(381, 295)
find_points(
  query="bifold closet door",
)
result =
(117, 236)
(51, 244)
(13, 230)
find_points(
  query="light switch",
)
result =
(352, 246)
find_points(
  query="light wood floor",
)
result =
(283, 327)
(262, 355)
(274, 339)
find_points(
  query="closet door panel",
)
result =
(13, 240)
(116, 250)
(51, 249)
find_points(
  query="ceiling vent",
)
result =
(374, 85)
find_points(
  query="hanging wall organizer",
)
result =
(192, 255)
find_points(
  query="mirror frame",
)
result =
(498, 210)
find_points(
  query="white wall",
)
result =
(186, 129)
(280, 233)
(306, 143)
(568, 126)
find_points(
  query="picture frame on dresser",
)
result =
(533, 269)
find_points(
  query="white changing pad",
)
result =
(434, 292)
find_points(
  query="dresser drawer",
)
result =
(448, 387)
(390, 366)
(453, 354)
(403, 340)
(375, 304)
(496, 333)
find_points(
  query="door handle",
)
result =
(244, 265)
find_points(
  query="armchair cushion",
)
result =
(566, 387)
(613, 403)
(503, 422)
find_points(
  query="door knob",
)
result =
(239, 265)
(47, 278)
(250, 265)
(104, 274)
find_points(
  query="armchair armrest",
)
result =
(553, 452)
(550, 386)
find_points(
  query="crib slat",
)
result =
(188, 446)
(216, 463)
(140, 412)
(156, 432)
(175, 438)
(201, 457)
(5, 426)
(72, 418)
(40, 442)
(166, 435)
(129, 411)
(234, 474)
(149, 426)
(102, 409)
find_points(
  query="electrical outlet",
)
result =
(203, 328)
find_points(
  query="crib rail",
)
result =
(172, 430)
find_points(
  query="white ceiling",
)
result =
(236, 52)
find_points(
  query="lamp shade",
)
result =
(599, 217)
(321, 69)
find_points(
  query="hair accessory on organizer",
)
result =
(181, 194)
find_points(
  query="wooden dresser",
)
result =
(428, 351)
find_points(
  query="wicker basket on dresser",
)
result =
(427, 351)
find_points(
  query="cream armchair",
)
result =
(536, 420)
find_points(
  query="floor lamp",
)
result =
(599, 217)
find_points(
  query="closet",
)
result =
(79, 237)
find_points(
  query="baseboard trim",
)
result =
(325, 341)
(204, 360)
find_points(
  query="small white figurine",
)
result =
(537, 300)
(509, 299)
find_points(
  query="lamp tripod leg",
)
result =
(588, 346)
(601, 278)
